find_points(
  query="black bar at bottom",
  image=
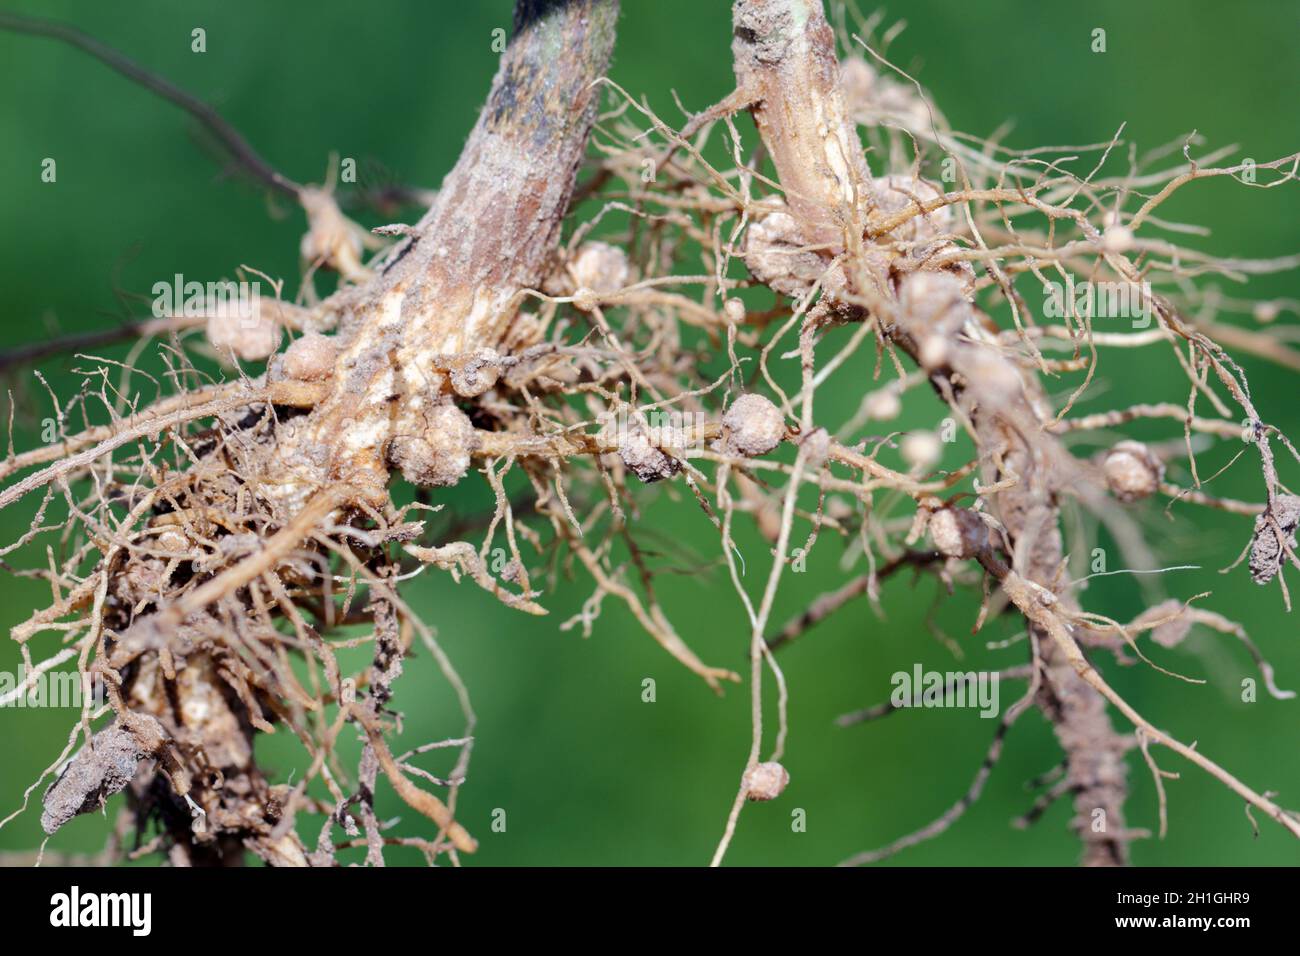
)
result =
(338, 906)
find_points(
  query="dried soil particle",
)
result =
(1266, 551)
(1132, 472)
(310, 358)
(754, 426)
(765, 781)
(645, 460)
(958, 532)
(440, 456)
(91, 777)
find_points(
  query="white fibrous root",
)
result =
(310, 358)
(921, 450)
(958, 532)
(600, 267)
(1268, 551)
(235, 328)
(644, 459)
(765, 781)
(1132, 472)
(439, 456)
(752, 426)
(473, 373)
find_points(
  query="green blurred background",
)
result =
(586, 771)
